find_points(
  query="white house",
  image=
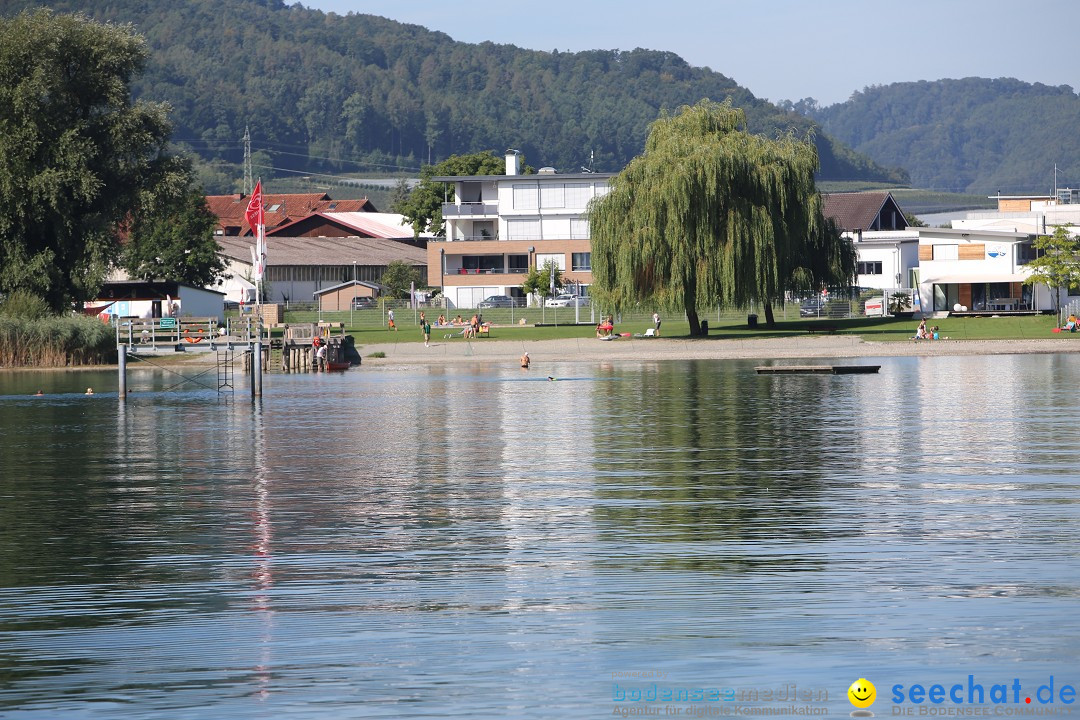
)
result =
(886, 258)
(978, 271)
(887, 249)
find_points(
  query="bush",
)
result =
(23, 304)
(55, 341)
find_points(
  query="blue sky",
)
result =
(780, 49)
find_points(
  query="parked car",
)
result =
(812, 307)
(363, 303)
(568, 301)
(497, 301)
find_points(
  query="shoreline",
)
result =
(590, 350)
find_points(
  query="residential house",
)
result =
(978, 271)
(499, 226)
(888, 251)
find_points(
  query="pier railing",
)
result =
(188, 333)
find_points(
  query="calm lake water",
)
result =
(476, 541)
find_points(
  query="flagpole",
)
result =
(257, 222)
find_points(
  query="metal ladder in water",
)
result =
(226, 361)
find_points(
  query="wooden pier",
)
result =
(247, 338)
(817, 369)
(156, 337)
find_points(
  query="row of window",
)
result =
(323, 273)
(530, 229)
(575, 195)
(581, 261)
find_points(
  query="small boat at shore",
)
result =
(338, 366)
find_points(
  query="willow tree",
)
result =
(712, 215)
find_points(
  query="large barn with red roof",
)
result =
(280, 209)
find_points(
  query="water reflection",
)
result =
(478, 541)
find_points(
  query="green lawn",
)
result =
(367, 327)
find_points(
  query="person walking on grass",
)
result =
(656, 323)
(427, 332)
(390, 320)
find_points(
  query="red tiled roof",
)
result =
(279, 209)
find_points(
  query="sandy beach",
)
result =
(589, 350)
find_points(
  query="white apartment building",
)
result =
(499, 226)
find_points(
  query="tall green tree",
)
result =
(76, 153)
(398, 277)
(174, 240)
(423, 207)
(711, 214)
(1057, 262)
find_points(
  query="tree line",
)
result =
(329, 93)
(973, 135)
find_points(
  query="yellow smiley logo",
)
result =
(862, 693)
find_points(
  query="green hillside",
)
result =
(360, 93)
(973, 135)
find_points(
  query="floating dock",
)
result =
(817, 369)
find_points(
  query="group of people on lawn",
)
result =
(469, 328)
(927, 333)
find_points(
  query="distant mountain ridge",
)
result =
(972, 135)
(365, 88)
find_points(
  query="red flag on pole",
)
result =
(254, 212)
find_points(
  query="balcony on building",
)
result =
(508, 264)
(470, 209)
(473, 230)
(472, 199)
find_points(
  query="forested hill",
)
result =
(974, 135)
(364, 88)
